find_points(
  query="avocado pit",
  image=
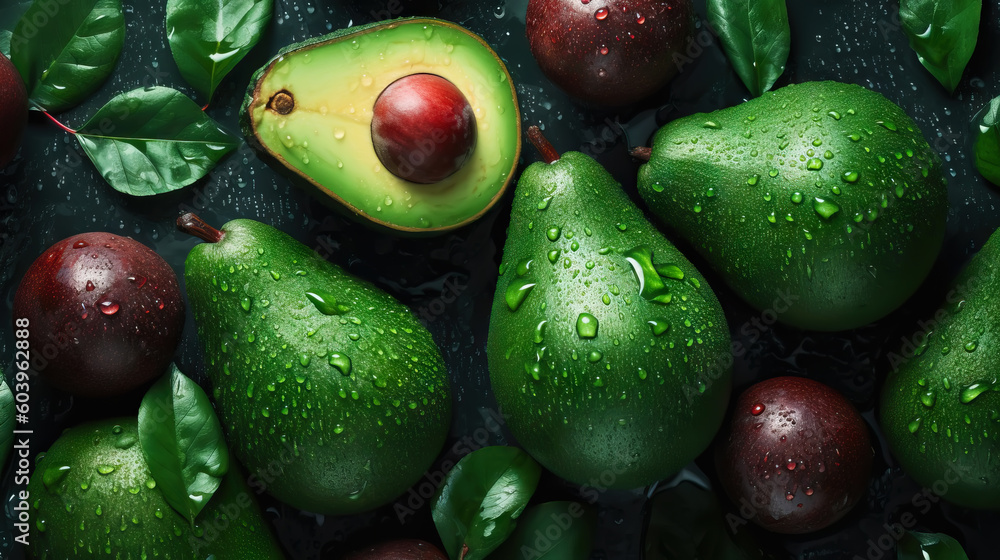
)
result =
(423, 128)
(282, 102)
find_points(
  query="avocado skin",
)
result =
(570, 419)
(135, 520)
(844, 273)
(954, 443)
(328, 198)
(316, 438)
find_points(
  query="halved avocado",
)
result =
(310, 110)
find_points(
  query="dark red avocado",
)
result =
(13, 110)
(609, 52)
(402, 549)
(105, 314)
(797, 456)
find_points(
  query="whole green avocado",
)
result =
(824, 190)
(940, 408)
(608, 352)
(92, 496)
(330, 390)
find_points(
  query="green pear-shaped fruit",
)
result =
(330, 390)
(92, 496)
(940, 407)
(825, 190)
(608, 352)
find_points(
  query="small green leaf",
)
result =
(685, 522)
(551, 531)
(482, 496)
(6, 422)
(929, 546)
(65, 50)
(756, 37)
(152, 141)
(209, 37)
(943, 34)
(182, 442)
(987, 144)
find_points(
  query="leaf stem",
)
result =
(465, 547)
(59, 124)
(191, 224)
(205, 108)
(542, 144)
(641, 153)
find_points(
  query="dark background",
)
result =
(52, 191)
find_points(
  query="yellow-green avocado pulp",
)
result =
(325, 139)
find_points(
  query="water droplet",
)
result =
(659, 326)
(341, 362)
(970, 346)
(275, 275)
(757, 409)
(324, 302)
(108, 307)
(601, 14)
(554, 255)
(90, 286)
(246, 303)
(928, 399)
(753, 180)
(553, 233)
(603, 50)
(106, 469)
(835, 115)
(595, 356)
(970, 392)
(797, 198)
(53, 476)
(814, 164)
(540, 332)
(825, 208)
(888, 125)
(517, 292)
(586, 325)
(850, 177)
(914, 425)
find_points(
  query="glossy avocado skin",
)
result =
(940, 406)
(324, 142)
(602, 376)
(93, 497)
(824, 191)
(330, 390)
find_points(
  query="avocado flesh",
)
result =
(326, 138)
(93, 497)
(823, 193)
(330, 390)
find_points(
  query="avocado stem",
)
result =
(642, 153)
(191, 224)
(542, 144)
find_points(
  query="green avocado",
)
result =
(823, 191)
(92, 496)
(608, 352)
(321, 131)
(940, 408)
(330, 390)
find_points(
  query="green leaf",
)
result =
(65, 49)
(152, 141)
(929, 546)
(686, 522)
(182, 442)
(6, 422)
(756, 37)
(475, 510)
(987, 145)
(209, 37)
(943, 34)
(551, 531)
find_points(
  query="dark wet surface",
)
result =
(52, 191)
